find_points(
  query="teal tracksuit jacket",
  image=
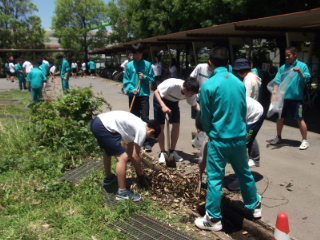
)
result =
(131, 78)
(295, 87)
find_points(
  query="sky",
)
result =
(46, 8)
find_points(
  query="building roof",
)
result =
(304, 22)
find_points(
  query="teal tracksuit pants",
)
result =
(65, 84)
(22, 82)
(219, 152)
(37, 94)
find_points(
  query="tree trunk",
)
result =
(85, 46)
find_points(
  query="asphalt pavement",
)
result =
(286, 179)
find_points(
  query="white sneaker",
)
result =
(162, 158)
(253, 163)
(177, 157)
(276, 140)
(234, 186)
(304, 145)
(257, 211)
(208, 223)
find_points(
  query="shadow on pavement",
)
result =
(192, 158)
(284, 143)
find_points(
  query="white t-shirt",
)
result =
(53, 69)
(202, 74)
(130, 127)
(83, 66)
(74, 65)
(27, 66)
(252, 83)
(173, 72)
(157, 68)
(254, 110)
(46, 63)
(12, 68)
(170, 89)
(123, 65)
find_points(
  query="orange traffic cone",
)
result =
(281, 231)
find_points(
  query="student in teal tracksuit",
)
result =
(64, 72)
(223, 115)
(139, 70)
(294, 95)
(92, 67)
(20, 75)
(43, 67)
(36, 79)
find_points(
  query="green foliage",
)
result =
(71, 22)
(19, 28)
(147, 18)
(66, 122)
(120, 22)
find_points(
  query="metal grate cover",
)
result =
(140, 226)
(77, 174)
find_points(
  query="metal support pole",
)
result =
(231, 53)
(195, 53)
(169, 51)
(310, 56)
(151, 53)
(249, 52)
(288, 39)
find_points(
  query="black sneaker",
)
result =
(109, 180)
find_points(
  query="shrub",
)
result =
(65, 123)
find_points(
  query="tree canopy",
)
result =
(19, 28)
(146, 18)
(71, 22)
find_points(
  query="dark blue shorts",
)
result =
(8, 73)
(12, 74)
(92, 71)
(292, 107)
(159, 115)
(108, 141)
(252, 131)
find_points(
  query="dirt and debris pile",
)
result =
(169, 187)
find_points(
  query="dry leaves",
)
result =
(170, 188)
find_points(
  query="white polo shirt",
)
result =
(12, 67)
(130, 127)
(170, 89)
(27, 66)
(254, 111)
(202, 74)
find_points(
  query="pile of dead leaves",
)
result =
(170, 188)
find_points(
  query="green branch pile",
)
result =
(65, 123)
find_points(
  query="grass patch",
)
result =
(33, 203)
(9, 111)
